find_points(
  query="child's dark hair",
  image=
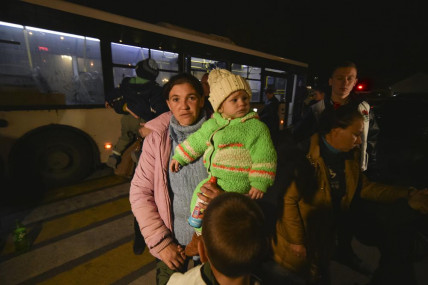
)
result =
(233, 233)
(180, 79)
(342, 117)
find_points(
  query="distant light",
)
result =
(43, 48)
(255, 109)
(360, 86)
(282, 122)
(108, 145)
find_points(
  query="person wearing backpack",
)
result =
(142, 99)
(139, 99)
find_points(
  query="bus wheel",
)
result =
(54, 156)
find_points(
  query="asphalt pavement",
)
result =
(83, 234)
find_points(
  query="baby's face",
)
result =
(236, 105)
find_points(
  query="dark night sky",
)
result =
(387, 42)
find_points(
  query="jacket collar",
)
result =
(160, 123)
(251, 115)
(352, 169)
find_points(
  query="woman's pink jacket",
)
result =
(150, 201)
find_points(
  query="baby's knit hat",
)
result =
(223, 83)
(147, 69)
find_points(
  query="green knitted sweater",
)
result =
(239, 152)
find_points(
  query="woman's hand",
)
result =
(255, 193)
(173, 256)
(298, 250)
(208, 192)
(174, 166)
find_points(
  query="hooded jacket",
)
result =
(239, 152)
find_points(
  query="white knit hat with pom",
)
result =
(223, 83)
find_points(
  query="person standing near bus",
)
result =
(236, 147)
(142, 99)
(342, 81)
(129, 127)
(160, 199)
(328, 196)
(269, 114)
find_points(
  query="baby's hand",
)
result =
(174, 166)
(255, 193)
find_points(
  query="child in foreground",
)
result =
(228, 234)
(236, 146)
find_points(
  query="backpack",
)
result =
(145, 100)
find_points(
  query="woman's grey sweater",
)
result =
(183, 183)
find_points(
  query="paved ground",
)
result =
(83, 239)
(83, 234)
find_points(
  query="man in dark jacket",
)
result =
(269, 114)
(142, 98)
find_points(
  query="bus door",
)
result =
(277, 79)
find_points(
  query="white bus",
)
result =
(58, 59)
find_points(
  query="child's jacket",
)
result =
(239, 152)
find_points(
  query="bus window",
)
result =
(200, 66)
(166, 60)
(280, 86)
(126, 55)
(248, 72)
(253, 76)
(168, 64)
(45, 67)
(276, 70)
(14, 67)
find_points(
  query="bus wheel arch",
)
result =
(54, 154)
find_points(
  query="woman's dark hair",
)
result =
(341, 117)
(180, 79)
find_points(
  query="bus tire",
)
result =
(54, 155)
